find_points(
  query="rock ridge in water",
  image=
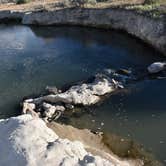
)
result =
(88, 93)
(85, 94)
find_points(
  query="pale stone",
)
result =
(29, 108)
(84, 94)
(50, 110)
(156, 67)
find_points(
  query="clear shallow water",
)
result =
(32, 58)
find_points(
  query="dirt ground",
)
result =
(54, 4)
(47, 4)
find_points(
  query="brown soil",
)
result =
(46, 4)
(104, 144)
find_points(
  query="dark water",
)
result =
(31, 58)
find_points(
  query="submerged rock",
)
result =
(52, 89)
(156, 67)
(124, 72)
(28, 141)
(69, 106)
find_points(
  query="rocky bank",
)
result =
(150, 30)
(27, 140)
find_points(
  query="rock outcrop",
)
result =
(25, 140)
(51, 106)
(150, 30)
(156, 67)
(85, 94)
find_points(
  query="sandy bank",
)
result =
(28, 141)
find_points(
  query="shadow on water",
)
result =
(32, 58)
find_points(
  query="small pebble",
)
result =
(161, 142)
(59, 91)
(122, 140)
(69, 106)
(102, 124)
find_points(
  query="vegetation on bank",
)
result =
(22, 1)
(154, 1)
(152, 8)
(79, 3)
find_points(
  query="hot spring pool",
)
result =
(32, 58)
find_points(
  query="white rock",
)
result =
(85, 94)
(29, 108)
(25, 140)
(156, 67)
(69, 106)
(50, 109)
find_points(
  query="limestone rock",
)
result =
(29, 108)
(84, 94)
(50, 110)
(28, 141)
(156, 67)
(148, 29)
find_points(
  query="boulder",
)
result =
(50, 110)
(156, 67)
(29, 108)
(84, 94)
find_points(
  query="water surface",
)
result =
(32, 58)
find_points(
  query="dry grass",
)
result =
(37, 3)
(32, 5)
(51, 5)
